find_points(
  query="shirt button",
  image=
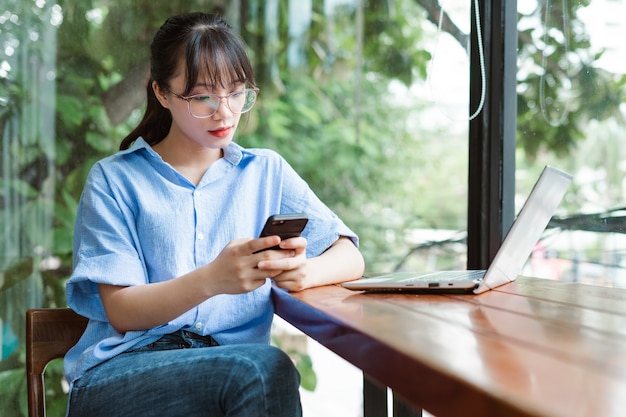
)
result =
(200, 236)
(199, 325)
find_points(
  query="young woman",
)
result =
(166, 261)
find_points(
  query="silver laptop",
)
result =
(524, 234)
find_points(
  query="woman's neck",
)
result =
(189, 160)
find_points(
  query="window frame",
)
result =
(492, 134)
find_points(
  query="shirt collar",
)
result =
(233, 153)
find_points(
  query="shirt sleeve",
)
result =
(324, 226)
(105, 246)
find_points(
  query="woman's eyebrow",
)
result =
(212, 86)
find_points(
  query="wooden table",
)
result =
(534, 347)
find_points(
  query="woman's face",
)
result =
(214, 131)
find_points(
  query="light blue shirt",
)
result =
(139, 221)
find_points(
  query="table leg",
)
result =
(402, 409)
(375, 401)
(374, 398)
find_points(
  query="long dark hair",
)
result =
(207, 45)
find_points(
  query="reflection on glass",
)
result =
(571, 114)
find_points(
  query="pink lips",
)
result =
(221, 133)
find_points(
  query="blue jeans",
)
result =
(183, 375)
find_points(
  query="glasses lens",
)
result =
(204, 106)
(241, 101)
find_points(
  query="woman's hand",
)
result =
(342, 261)
(240, 267)
(290, 270)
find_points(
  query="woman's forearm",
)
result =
(142, 307)
(341, 262)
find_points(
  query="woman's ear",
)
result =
(160, 94)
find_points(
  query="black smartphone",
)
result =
(285, 226)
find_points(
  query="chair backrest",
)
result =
(50, 333)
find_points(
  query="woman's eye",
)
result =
(205, 99)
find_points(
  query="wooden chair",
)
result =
(50, 333)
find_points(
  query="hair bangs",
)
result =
(217, 59)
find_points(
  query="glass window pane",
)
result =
(571, 115)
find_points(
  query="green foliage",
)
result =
(564, 90)
(13, 392)
(391, 34)
(303, 363)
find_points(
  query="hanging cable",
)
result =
(544, 65)
(481, 56)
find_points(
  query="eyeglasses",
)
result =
(202, 106)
